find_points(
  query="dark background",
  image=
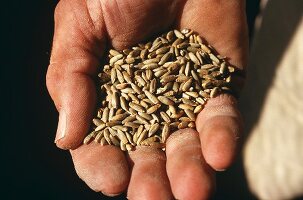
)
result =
(31, 165)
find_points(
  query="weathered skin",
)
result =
(83, 30)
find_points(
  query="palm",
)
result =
(83, 31)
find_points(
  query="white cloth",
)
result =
(272, 104)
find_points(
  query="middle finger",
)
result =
(148, 179)
(190, 176)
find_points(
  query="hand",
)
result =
(83, 29)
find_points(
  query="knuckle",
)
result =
(53, 79)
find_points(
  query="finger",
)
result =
(148, 178)
(102, 168)
(223, 29)
(189, 175)
(74, 61)
(219, 125)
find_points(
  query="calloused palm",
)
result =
(83, 30)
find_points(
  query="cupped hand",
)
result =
(83, 31)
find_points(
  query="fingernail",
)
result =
(109, 194)
(220, 170)
(61, 126)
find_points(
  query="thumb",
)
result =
(74, 61)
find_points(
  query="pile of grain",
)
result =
(156, 88)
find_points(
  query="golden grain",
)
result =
(157, 87)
